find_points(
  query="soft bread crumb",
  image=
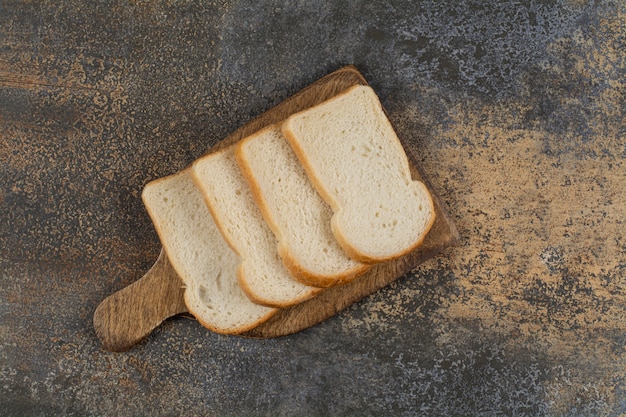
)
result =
(356, 162)
(262, 274)
(200, 256)
(298, 216)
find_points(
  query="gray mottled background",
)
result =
(515, 110)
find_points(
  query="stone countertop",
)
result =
(514, 109)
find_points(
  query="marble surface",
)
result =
(514, 109)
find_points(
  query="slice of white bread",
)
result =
(203, 260)
(356, 162)
(262, 275)
(298, 216)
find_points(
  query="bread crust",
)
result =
(243, 281)
(232, 331)
(299, 272)
(301, 153)
(325, 281)
(161, 232)
(306, 164)
(368, 259)
(189, 282)
(211, 208)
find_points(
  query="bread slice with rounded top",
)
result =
(262, 274)
(356, 162)
(298, 216)
(203, 260)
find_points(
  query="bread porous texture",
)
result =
(201, 257)
(262, 274)
(296, 213)
(356, 162)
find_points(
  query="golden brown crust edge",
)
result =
(301, 274)
(324, 281)
(236, 330)
(367, 259)
(208, 203)
(156, 226)
(243, 283)
(186, 280)
(301, 154)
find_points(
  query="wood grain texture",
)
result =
(129, 315)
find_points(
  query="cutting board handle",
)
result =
(129, 315)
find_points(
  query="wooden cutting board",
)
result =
(129, 315)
